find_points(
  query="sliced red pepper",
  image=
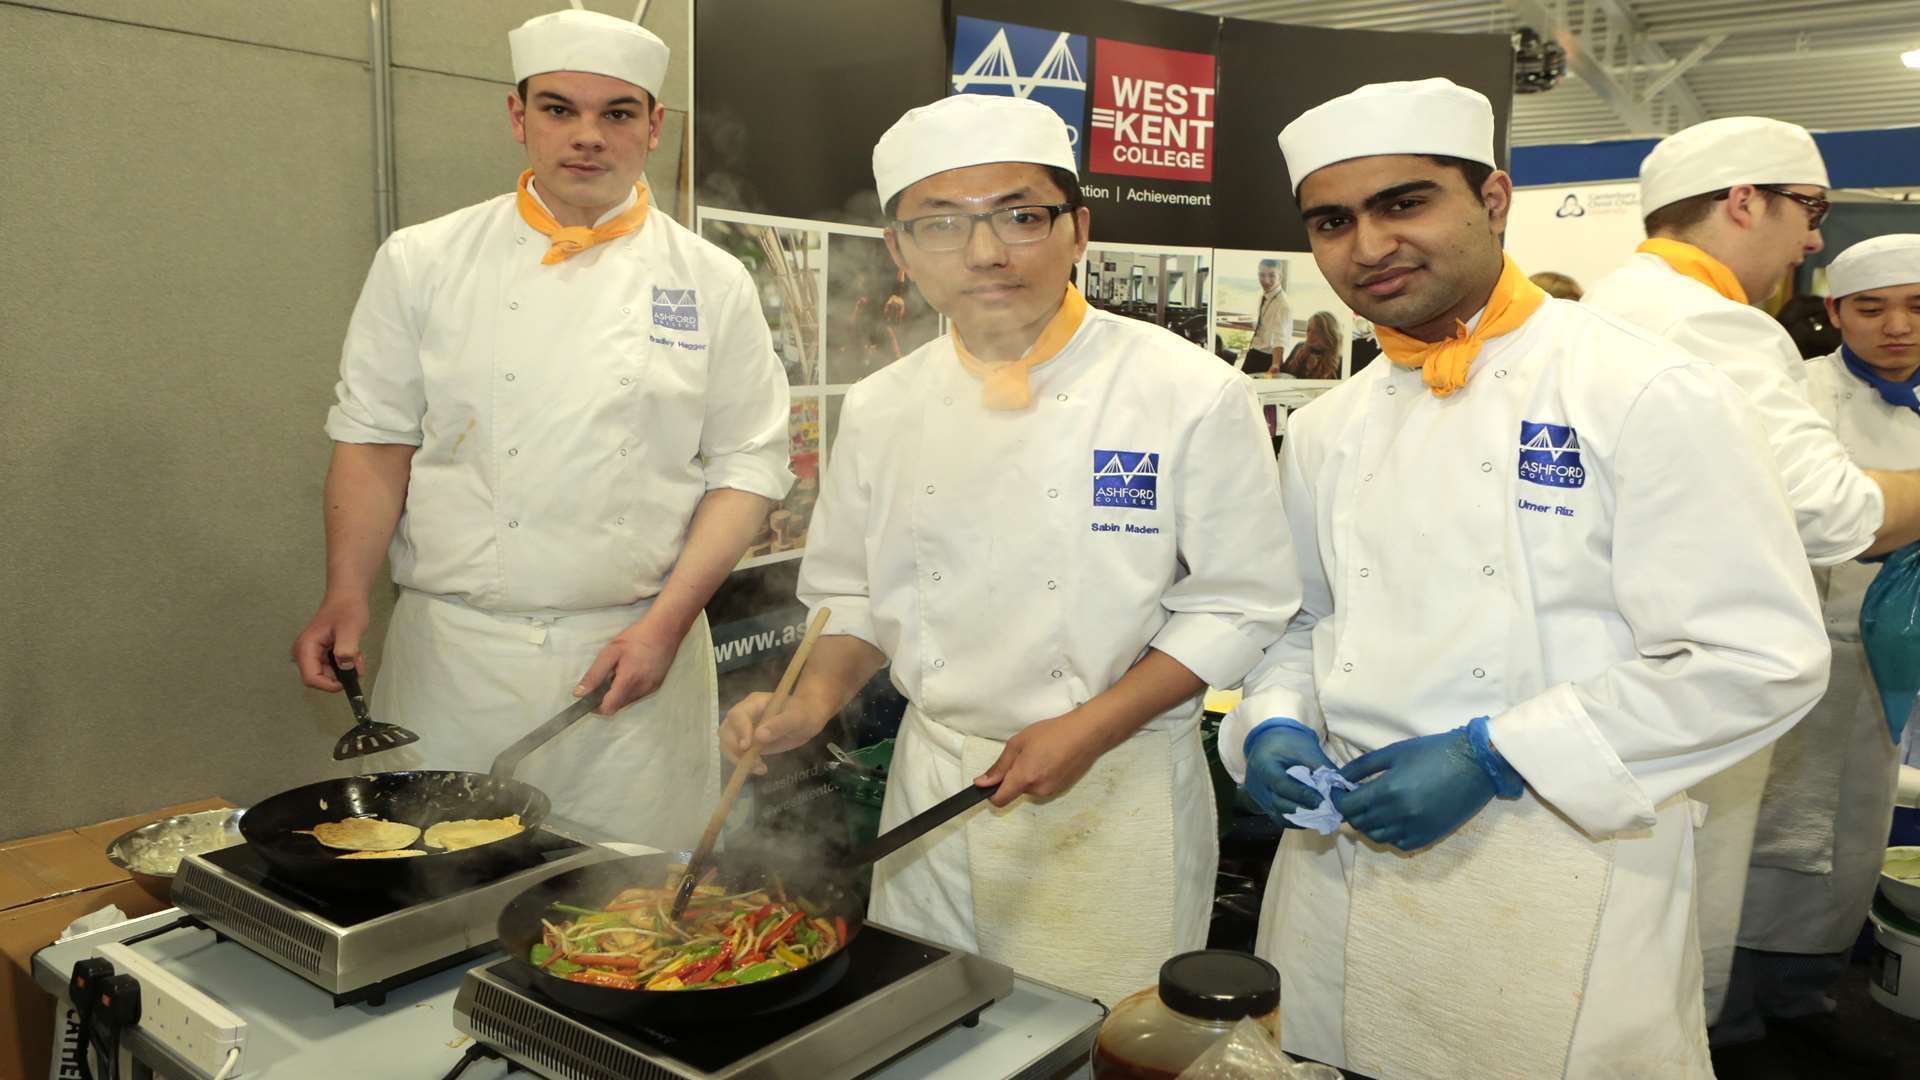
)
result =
(840, 929)
(702, 970)
(601, 978)
(786, 927)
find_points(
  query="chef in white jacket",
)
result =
(561, 417)
(1528, 626)
(1040, 521)
(1732, 206)
(1828, 806)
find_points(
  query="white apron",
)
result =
(1722, 850)
(470, 683)
(1091, 890)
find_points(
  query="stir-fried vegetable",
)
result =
(722, 939)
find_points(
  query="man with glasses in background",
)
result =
(1040, 522)
(1732, 207)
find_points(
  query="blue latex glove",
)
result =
(1272, 748)
(1890, 632)
(1413, 792)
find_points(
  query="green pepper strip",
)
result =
(764, 970)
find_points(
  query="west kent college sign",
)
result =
(1153, 109)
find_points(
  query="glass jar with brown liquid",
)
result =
(1157, 1032)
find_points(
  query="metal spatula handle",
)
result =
(512, 756)
(350, 679)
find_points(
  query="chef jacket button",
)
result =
(936, 575)
(623, 451)
(513, 305)
(509, 376)
(1053, 584)
(1486, 466)
(939, 663)
(521, 240)
(1056, 673)
(620, 521)
(1393, 389)
(1365, 572)
(1053, 493)
(1348, 666)
(1367, 479)
(625, 380)
(1487, 570)
(1059, 397)
(626, 311)
(513, 524)
(515, 452)
(1479, 673)
(1499, 373)
(929, 489)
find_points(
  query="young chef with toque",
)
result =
(1039, 521)
(1828, 806)
(1732, 206)
(561, 416)
(1520, 612)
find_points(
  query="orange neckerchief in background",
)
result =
(1445, 363)
(1690, 261)
(573, 239)
(1007, 385)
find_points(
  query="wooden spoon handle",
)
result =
(744, 767)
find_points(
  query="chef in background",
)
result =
(1828, 806)
(1732, 206)
(1524, 617)
(1039, 521)
(561, 418)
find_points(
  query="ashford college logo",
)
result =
(1152, 112)
(1126, 478)
(1047, 66)
(674, 309)
(1550, 455)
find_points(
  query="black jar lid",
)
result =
(1218, 984)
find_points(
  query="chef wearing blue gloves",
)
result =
(1550, 581)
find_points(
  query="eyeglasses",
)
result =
(1817, 208)
(1012, 224)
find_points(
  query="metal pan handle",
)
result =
(919, 825)
(512, 756)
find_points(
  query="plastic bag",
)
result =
(1890, 631)
(1248, 1052)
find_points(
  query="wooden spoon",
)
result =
(744, 768)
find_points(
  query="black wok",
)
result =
(832, 890)
(418, 797)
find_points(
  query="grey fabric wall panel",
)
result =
(331, 27)
(181, 264)
(471, 39)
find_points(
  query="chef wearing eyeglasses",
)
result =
(1040, 522)
(1732, 207)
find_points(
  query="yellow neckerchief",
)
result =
(1007, 386)
(1690, 261)
(574, 239)
(1445, 363)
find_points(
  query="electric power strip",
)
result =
(198, 1029)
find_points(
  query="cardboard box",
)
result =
(46, 882)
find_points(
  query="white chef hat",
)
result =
(964, 130)
(1718, 154)
(578, 40)
(1428, 116)
(1893, 259)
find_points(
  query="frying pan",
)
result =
(831, 889)
(416, 797)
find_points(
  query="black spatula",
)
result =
(369, 736)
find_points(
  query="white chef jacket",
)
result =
(1589, 545)
(1012, 565)
(1878, 435)
(569, 417)
(1837, 507)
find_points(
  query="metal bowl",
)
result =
(1903, 893)
(151, 853)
